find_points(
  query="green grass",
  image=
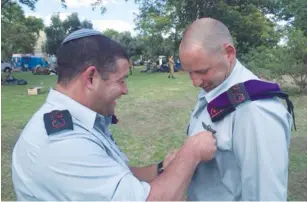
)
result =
(152, 120)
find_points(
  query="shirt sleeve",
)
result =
(79, 169)
(260, 137)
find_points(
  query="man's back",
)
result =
(252, 158)
(27, 150)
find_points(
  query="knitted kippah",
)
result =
(81, 33)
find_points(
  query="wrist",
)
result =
(190, 149)
(160, 168)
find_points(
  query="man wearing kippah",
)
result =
(67, 152)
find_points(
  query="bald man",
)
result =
(252, 136)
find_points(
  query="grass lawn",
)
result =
(153, 119)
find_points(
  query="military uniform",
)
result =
(66, 152)
(171, 67)
(251, 162)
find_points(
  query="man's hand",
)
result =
(173, 182)
(206, 151)
(203, 145)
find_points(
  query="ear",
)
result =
(230, 52)
(89, 77)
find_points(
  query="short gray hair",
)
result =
(211, 33)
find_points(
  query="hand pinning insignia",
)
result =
(208, 128)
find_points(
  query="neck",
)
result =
(73, 91)
(231, 67)
(233, 63)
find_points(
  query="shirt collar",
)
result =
(102, 123)
(224, 86)
(80, 112)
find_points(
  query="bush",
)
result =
(263, 61)
(274, 63)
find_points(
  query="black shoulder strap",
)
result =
(57, 121)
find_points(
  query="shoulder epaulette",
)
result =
(250, 90)
(57, 121)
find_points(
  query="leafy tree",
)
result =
(8, 3)
(246, 19)
(156, 45)
(133, 45)
(55, 34)
(34, 24)
(18, 33)
(294, 58)
(58, 29)
(73, 23)
(111, 33)
(295, 12)
(87, 24)
(290, 59)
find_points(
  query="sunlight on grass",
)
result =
(152, 121)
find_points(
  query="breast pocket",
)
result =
(225, 158)
(222, 129)
(224, 134)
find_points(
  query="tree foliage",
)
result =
(294, 58)
(58, 29)
(8, 3)
(161, 23)
(150, 47)
(133, 45)
(18, 33)
(290, 59)
(245, 19)
(295, 12)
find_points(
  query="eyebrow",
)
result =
(125, 76)
(202, 69)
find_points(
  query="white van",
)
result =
(6, 67)
(162, 59)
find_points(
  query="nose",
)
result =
(125, 90)
(195, 79)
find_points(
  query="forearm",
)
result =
(147, 173)
(173, 182)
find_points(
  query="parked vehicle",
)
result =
(27, 63)
(5, 67)
(138, 62)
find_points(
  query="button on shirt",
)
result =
(80, 164)
(251, 162)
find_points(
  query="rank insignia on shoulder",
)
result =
(250, 90)
(57, 121)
